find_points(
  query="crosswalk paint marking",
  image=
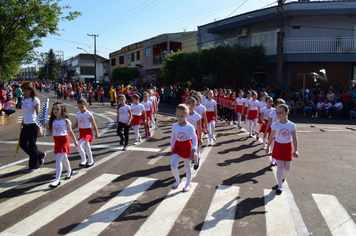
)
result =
(161, 220)
(23, 179)
(279, 220)
(19, 161)
(160, 156)
(221, 214)
(10, 169)
(335, 215)
(57, 208)
(30, 195)
(103, 217)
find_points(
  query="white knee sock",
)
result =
(250, 127)
(137, 132)
(196, 160)
(283, 167)
(59, 166)
(174, 168)
(66, 164)
(212, 129)
(81, 151)
(188, 172)
(239, 119)
(88, 152)
(254, 125)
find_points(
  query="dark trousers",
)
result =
(232, 115)
(19, 103)
(126, 132)
(220, 111)
(28, 138)
(227, 113)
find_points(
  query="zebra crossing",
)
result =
(219, 218)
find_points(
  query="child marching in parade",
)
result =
(245, 107)
(264, 117)
(123, 120)
(184, 145)
(284, 132)
(201, 110)
(260, 105)
(85, 119)
(148, 108)
(252, 114)
(60, 126)
(211, 114)
(138, 113)
(239, 108)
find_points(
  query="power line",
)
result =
(237, 8)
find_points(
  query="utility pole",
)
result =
(62, 69)
(280, 35)
(94, 35)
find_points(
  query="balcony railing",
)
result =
(314, 45)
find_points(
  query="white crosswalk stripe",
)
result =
(10, 169)
(166, 213)
(336, 217)
(31, 223)
(221, 214)
(97, 222)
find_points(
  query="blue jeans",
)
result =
(19, 103)
(9, 111)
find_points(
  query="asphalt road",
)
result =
(128, 193)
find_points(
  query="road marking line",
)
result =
(10, 169)
(160, 156)
(103, 217)
(203, 156)
(279, 219)
(221, 214)
(30, 195)
(57, 208)
(19, 161)
(161, 220)
(335, 215)
(23, 179)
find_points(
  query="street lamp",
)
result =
(83, 49)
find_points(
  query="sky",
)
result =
(121, 23)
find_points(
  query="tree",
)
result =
(125, 74)
(50, 66)
(23, 23)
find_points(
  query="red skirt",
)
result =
(282, 151)
(245, 110)
(182, 148)
(264, 126)
(210, 115)
(86, 134)
(61, 144)
(238, 109)
(202, 125)
(252, 114)
(148, 114)
(136, 120)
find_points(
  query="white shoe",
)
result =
(214, 138)
(264, 146)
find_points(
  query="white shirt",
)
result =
(28, 110)
(253, 105)
(203, 97)
(83, 119)
(273, 116)
(184, 133)
(266, 111)
(209, 105)
(240, 101)
(137, 109)
(319, 105)
(261, 105)
(200, 110)
(124, 115)
(60, 127)
(193, 119)
(283, 132)
(147, 105)
(247, 101)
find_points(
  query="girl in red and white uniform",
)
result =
(195, 119)
(185, 95)
(138, 113)
(201, 110)
(233, 108)
(284, 132)
(153, 99)
(183, 145)
(148, 108)
(60, 126)
(264, 117)
(84, 119)
(245, 107)
(211, 114)
(239, 108)
(252, 114)
(123, 120)
(272, 118)
(261, 104)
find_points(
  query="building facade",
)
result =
(317, 35)
(29, 73)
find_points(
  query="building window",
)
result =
(133, 56)
(121, 60)
(138, 55)
(129, 60)
(231, 41)
(148, 52)
(267, 39)
(113, 62)
(208, 44)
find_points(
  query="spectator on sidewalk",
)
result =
(330, 96)
(7, 107)
(346, 102)
(18, 91)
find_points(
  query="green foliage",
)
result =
(224, 61)
(22, 25)
(49, 66)
(125, 74)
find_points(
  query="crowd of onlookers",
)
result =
(330, 102)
